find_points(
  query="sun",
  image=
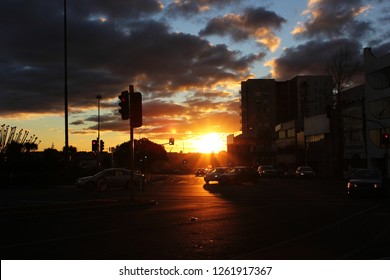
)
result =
(212, 142)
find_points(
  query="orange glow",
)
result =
(209, 143)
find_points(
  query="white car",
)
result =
(111, 178)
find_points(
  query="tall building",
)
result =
(258, 100)
(303, 96)
(266, 103)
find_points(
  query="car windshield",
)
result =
(306, 168)
(366, 174)
(219, 170)
(267, 167)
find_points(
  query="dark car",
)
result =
(266, 171)
(235, 175)
(215, 174)
(366, 181)
(201, 172)
(305, 172)
(246, 174)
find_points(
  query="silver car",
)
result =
(111, 178)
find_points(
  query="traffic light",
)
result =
(95, 146)
(385, 139)
(101, 145)
(136, 109)
(124, 104)
(171, 141)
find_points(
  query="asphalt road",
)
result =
(179, 217)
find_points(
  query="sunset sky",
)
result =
(186, 57)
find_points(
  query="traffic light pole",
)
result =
(131, 91)
(131, 109)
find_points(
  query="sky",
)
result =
(186, 57)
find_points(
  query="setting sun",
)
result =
(211, 142)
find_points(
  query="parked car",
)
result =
(266, 171)
(366, 181)
(215, 174)
(246, 174)
(305, 172)
(111, 178)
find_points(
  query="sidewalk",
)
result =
(66, 198)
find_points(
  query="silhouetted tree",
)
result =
(14, 149)
(343, 68)
(28, 147)
(146, 153)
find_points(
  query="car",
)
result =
(305, 172)
(215, 174)
(201, 172)
(266, 171)
(245, 174)
(366, 181)
(111, 178)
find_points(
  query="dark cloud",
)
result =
(105, 54)
(311, 58)
(255, 23)
(194, 7)
(382, 49)
(77, 122)
(119, 9)
(334, 18)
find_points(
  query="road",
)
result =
(274, 219)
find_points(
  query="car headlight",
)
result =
(351, 185)
(377, 186)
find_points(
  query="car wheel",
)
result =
(102, 185)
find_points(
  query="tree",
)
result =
(343, 68)
(146, 153)
(28, 147)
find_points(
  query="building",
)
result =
(354, 129)
(266, 104)
(377, 108)
(290, 144)
(303, 96)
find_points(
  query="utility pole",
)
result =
(131, 91)
(131, 109)
(66, 83)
